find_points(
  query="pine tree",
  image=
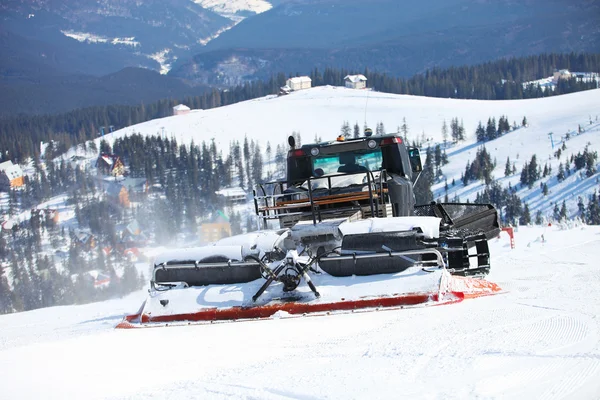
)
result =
(561, 173)
(480, 133)
(563, 212)
(6, 305)
(490, 131)
(556, 212)
(507, 168)
(356, 131)
(445, 133)
(593, 211)
(345, 129)
(404, 129)
(526, 217)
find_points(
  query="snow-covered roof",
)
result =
(134, 184)
(114, 189)
(108, 160)
(133, 228)
(11, 170)
(181, 107)
(231, 192)
(355, 78)
(300, 79)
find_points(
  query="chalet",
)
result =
(11, 176)
(235, 195)
(131, 235)
(218, 228)
(85, 240)
(118, 194)
(109, 164)
(299, 83)
(355, 81)
(181, 109)
(561, 74)
(138, 188)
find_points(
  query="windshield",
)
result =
(347, 162)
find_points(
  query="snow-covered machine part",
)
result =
(413, 287)
(429, 226)
(230, 260)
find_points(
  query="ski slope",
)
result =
(539, 340)
(322, 110)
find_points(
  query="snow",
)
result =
(430, 226)
(541, 339)
(322, 110)
(93, 38)
(228, 8)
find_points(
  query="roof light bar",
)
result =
(390, 140)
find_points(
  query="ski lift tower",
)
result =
(551, 139)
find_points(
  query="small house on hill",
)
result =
(11, 176)
(85, 240)
(181, 109)
(110, 164)
(355, 81)
(138, 188)
(561, 74)
(217, 228)
(299, 83)
(118, 194)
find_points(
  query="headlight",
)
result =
(314, 151)
(372, 144)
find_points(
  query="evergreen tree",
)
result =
(345, 129)
(563, 212)
(561, 173)
(490, 131)
(526, 217)
(445, 133)
(480, 133)
(356, 131)
(538, 217)
(593, 211)
(6, 305)
(507, 169)
(404, 129)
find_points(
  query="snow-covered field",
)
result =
(539, 340)
(321, 111)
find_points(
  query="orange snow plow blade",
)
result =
(449, 289)
(472, 287)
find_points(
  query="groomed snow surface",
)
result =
(539, 340)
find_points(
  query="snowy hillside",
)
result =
(320, 112)
(539, 340)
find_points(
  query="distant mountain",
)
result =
(53, 52)
(401, 38)
(100, 37)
